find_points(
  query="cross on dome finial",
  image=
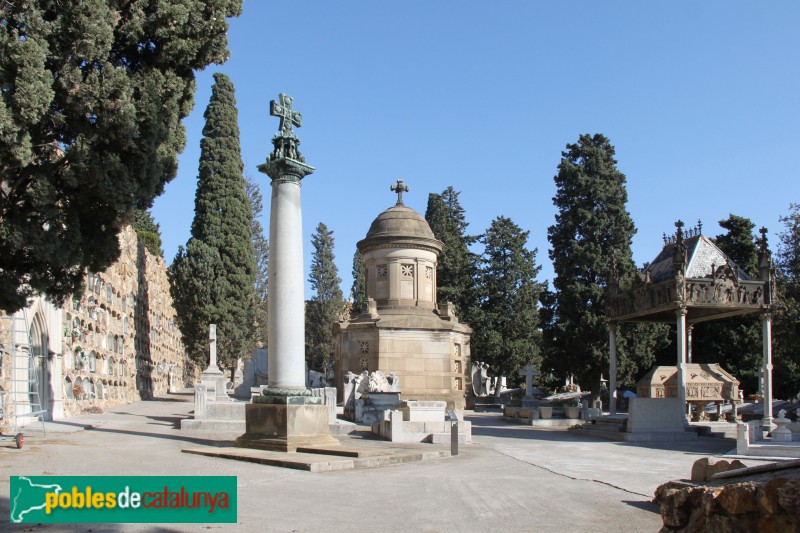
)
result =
(400, 188)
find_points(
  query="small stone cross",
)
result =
(288, 116)
(400, 188)
(529, 374)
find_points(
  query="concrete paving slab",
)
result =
(515, 478)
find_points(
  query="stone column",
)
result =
(689, 330)
(286, 353)
(612, 368)
(681, 342)
(766, 324)
(286, 416)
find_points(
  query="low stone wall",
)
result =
(755, 505)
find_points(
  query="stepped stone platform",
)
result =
(615, 427)
(349, 456)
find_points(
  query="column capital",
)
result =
(681, 310)
(766, 314)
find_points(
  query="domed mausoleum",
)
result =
(404, 330)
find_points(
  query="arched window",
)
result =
(69, 393)
(124, 325)
(98, 284)
(101, 390)
(110, 343)
(112, 366)
(122, 369)
(124, 304)
(92, 361)
(91, 393)
(109, 293)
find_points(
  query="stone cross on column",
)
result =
(529, 374)
(288, 116)
(212, 338)
(400, 188)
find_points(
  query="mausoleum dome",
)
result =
(400, 224)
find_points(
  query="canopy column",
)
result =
(766, 339)
(612, 368)
(681, 342)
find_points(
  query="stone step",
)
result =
(599, 433)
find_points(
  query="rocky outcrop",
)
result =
(761, 504)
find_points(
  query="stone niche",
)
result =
(405, 330)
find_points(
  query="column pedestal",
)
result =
(284, 423)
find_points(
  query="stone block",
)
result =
(656, 415)
(423, 411)
(704, 468)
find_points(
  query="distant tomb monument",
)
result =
(405, 330)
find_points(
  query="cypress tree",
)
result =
(92, 100)
(786, 335)
(457, 266)
(593, 230)
(738, 243)
(218, 261)
(148, 231)
(508, 334)
(327, 304)
(358, 291)
(733, 342)
(261, 251)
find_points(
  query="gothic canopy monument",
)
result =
(405, 330)
(689, 282)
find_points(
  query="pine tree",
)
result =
(733, 342)
(358, 291)
(212, 279)
(148, 231)
(508, 335)
(93, 95)
(593, 230)
(261, 250)
(457, 266)
(786, 333)
(327, 304)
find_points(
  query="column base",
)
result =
(286, 426)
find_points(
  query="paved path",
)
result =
(511, 478)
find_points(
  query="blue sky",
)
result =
(700, 99)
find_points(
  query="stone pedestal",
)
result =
(370, 407)
(286, 423)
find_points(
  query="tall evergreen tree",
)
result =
(261, 251)
(93, 95)
(508, 334)
(148, 231)
(733, 342)
(212, 279)
(327, 304)
(738, 243)
(593, 230)
(457, 266)
(358, 291)
(786, 332)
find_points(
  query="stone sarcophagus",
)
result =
(704, 383)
